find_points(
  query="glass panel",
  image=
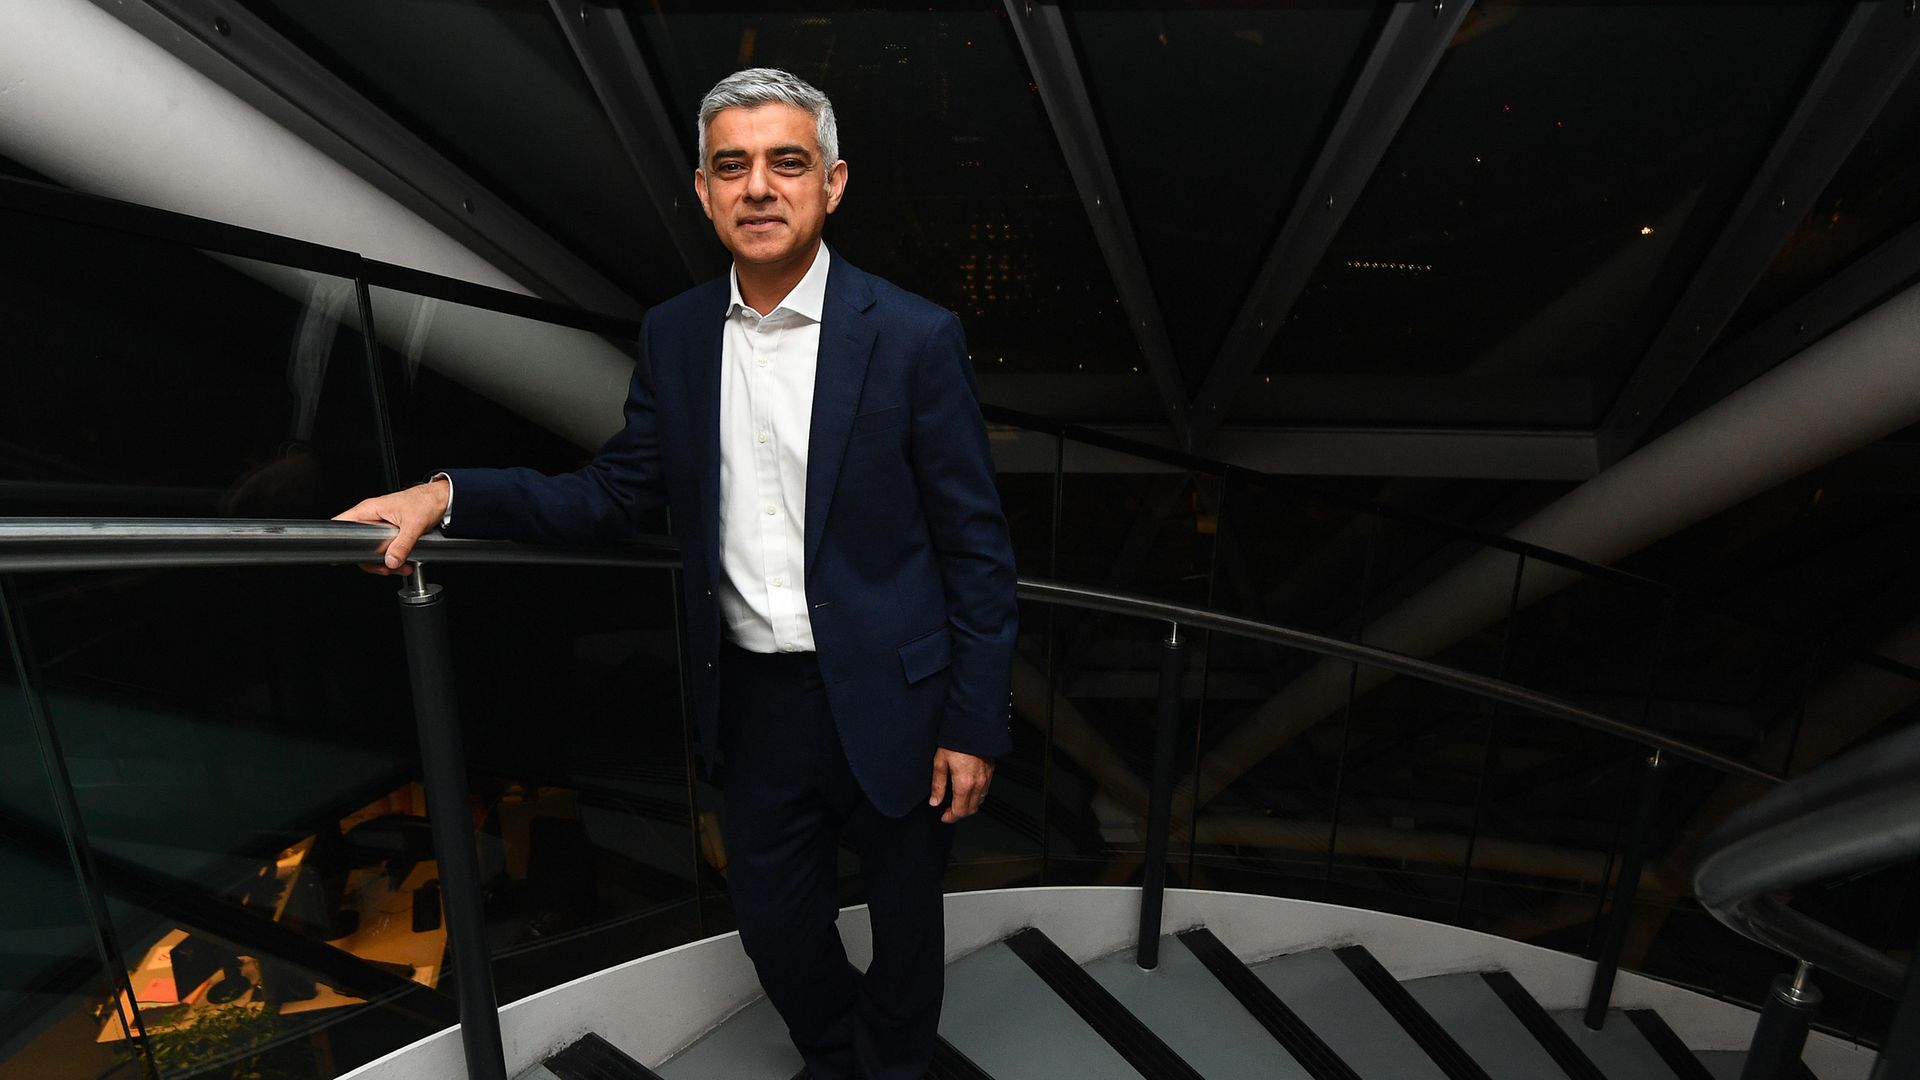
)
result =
(1875, 194)
(1025, 464)
(957, 189)
(241, 748)
(146, 378)
(1174, 88)
(1289, 555)
(58, 1008)
(1539, 211)
(1137, 525)
(570, 677)
(524, 122)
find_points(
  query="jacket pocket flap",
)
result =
(926, 654)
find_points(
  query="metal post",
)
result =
(1782, 1031)
(443, 765)
(1153, 883)
(1624, 890)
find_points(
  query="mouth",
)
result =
(761, 224)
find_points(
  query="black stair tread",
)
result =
(1196, 1015)
(1293, 1033)
(1668, 1045)
(947, 1064)
(1480, 1021)
(1551, 1037)
(1417, 1022)
(1324, 993)
(1618, 1048)
(1012, 1024)
(594, 1058)
(1151, 1057)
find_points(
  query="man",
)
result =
(849, 580)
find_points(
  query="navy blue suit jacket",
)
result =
(909, 571)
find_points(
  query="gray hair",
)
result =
(764, 86)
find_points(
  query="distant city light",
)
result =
(1370, 264)
(1646, 230)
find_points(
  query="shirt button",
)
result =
(763, 436)
(761, 360)
(779, 582)
(772, 509)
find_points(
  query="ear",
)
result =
(836, 184)
(700, 189)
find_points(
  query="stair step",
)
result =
(1266, 1008)
(1189, 1009)
(594, 1058)
(1482, 1023)
(1726, 1064)
(1004, 1017)
(1668, 1045)
(1414, 1020)
(1324, 992)
(751, 1045)
(1618, 1048)
(1145, 1051)
(1555, 1041)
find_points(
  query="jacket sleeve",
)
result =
(598, 503)
(953, 473)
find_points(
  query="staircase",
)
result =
(1021, 1008)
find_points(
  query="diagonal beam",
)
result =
(242, 53)
(1868, 59)
(609, 53)
(1864, 283)
(1063, 90)
(1416, 35)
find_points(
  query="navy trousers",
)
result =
(791, 800)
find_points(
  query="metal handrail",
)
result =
(1858, 812)
(72, 544)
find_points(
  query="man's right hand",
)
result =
(412, 511)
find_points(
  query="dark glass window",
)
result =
(148, 378)
(496, 88)
(956, 187)
(1533, 221)
(1212, 113)
(1875, 194)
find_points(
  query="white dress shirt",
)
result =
(766, 413)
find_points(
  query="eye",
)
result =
(790, 166)
(730, 168)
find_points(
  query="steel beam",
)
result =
(1409, 48)
(246, 56)
(1063, 91)
(1869, 57)
(604, 42)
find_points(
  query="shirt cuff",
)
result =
(446, 519)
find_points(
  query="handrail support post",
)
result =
(443, 769)
(1625, 888)
(1781, 1034)
(1153, 878)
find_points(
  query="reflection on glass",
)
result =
(244, 775)
(1539, 211)
(145, 378)
(956, 190)
(1875, 194)
(54, 997)
(1212, 113)
(467, 387)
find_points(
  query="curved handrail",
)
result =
(71, 544)
(1857, 812)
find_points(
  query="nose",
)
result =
(759, 182)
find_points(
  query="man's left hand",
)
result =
(966, 775)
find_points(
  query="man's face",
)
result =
(765, 186)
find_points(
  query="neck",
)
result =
(763, 287)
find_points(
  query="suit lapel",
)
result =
(846, 344)
(704, 344)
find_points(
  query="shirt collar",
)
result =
(808, 298)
